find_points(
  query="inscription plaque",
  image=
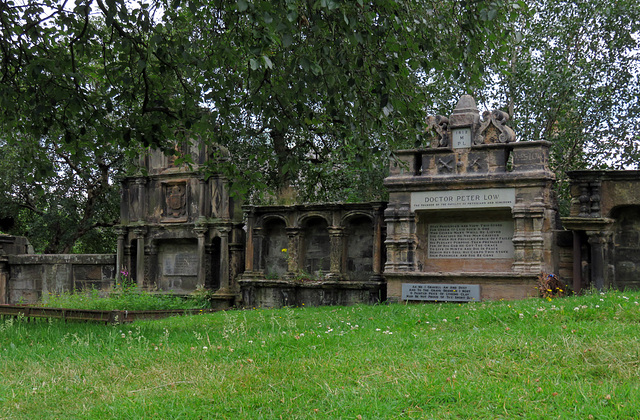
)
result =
(181, 264)
(461, 138)
(460, 199)
(441, 292)
(470, 240)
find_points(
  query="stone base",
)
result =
(262, 293)
(493, 286)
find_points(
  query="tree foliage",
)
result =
(310, 94)
(311, 81)
(573, 80)
(61, 202)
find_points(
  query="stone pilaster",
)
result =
(140, 236)
(224, 257)
(337, 252)
(201, 231)
(401, 240)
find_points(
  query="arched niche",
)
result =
(316, 245)
(626, 246)
(275, 248)
(359, 247)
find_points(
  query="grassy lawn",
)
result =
(576, 357)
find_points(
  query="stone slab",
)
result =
(470, 240)
(180, 264)
(463, 199)
(461, 138)
(441, 292)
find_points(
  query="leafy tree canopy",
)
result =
(285, 85)
(313, 95)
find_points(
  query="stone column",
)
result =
(127, 258)
(336, 253)
(527, 239)
(249, 249)
(293, 259)
(139, 233)
(120, 231)
(401, 241)
(378, 220)
(224, 257)
(4, 280)
(577, 262)
(201, 232)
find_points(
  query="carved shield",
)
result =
(176, 200)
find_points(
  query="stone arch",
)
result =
(305, 217)
(626, 246)
(270, 218)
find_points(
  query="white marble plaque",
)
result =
(441, 292)
(462, 199)
(461, 138)
(470, 240)
(180, 264)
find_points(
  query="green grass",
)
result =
(125, 297)
(577, 357)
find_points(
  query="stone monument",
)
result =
(472, 216)
(180, 230)
(313, 254)
(605, 220)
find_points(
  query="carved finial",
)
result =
(494, 128)
(466, 104)
(465, 114)
(438, 127)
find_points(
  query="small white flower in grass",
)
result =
(601, 300)
(521, 316)
(378, 329)
(444, 320)
(205, 348)
(576, 308)
(597, 306)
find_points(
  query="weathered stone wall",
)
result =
(320, 254)
(605, 220)
(32, 277)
